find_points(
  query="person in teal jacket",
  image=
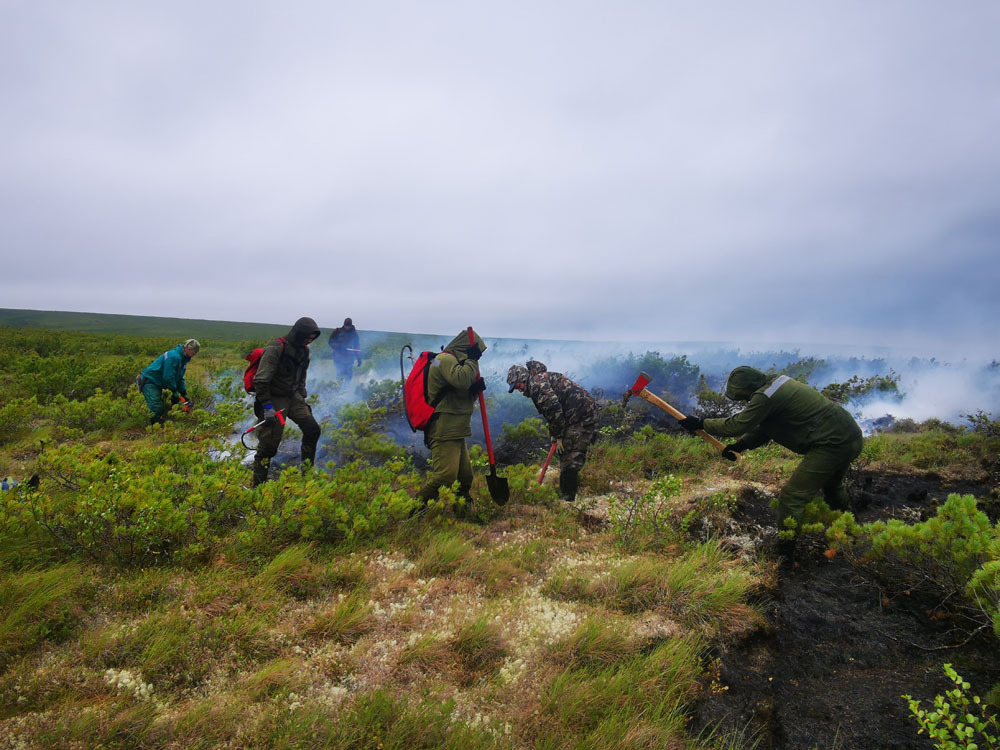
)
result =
(801, 419)
(166, 373)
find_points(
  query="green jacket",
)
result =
(282, 368)
(783, 410)
(167, 370)
(449, 378)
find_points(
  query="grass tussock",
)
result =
(292, 571)
(597, 642)
(344, 620)
(443, 553)
(640, 702)
(479, 646)
(39, 606)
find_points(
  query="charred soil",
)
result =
(838, 652)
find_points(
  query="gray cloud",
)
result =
(819, 172)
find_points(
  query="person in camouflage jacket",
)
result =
(453, 385)
(280, 385)
(801, 419)
(571, 414)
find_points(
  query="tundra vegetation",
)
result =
(148, 598)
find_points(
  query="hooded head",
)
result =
(302, 331)
(516, 374)
(348, 323)
(743, 381)
(460, 344)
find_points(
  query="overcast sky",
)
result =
(768, 171)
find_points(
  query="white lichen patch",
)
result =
(124, 680)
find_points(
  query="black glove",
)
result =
(477, 387)
(270, 415)
(474, 352)
(692, 424)
(730, 451)
(175, 399)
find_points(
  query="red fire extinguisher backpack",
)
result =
(254, 359)
(416, 404)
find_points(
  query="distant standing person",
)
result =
(453, 385)
(345, 348)
(571, 413)
(801, 419)
(166, 373)
(280, 385)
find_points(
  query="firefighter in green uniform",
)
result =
(801, 419)
(453, 384)
(280, 385)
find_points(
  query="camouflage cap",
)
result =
(192, 345)
(516, 374)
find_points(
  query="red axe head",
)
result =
(641, 383)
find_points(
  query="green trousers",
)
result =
(295, 409)
(821, 472)
(449, 461)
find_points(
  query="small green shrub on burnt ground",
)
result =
(357, 435)
(957, 720)
(953, 557)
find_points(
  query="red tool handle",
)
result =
(548, 458)
(278, 414)
(482, 408)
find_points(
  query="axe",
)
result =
(639, 389)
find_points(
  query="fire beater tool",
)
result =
(278, 414)
(548, 458)
(639, 389)
(498, 486)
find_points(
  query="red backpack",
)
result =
(254, 359)
(419, 409)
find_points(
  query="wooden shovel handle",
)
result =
(657, 401)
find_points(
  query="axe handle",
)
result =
(657, 401)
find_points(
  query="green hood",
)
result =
(303, 329)
(460, 343)
(743, 381)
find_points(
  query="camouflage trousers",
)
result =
(821, 472)
(575, 442)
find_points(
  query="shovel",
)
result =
(248, 430)
(548, 458)
(498, 486)
(639, 389)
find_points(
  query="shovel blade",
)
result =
(498, 487)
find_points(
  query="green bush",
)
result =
(640, 522)
(957, 722)
(955, 554)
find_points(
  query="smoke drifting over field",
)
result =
(926, 387)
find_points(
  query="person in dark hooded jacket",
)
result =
(570, 412)
(454, 385)
(345, 348)
(280, 385)
(801, 419)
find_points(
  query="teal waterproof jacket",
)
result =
(167, 370)
(783, 410)
(449, 378)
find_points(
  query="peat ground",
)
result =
(829, 668)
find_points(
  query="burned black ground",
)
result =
(837, 652)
